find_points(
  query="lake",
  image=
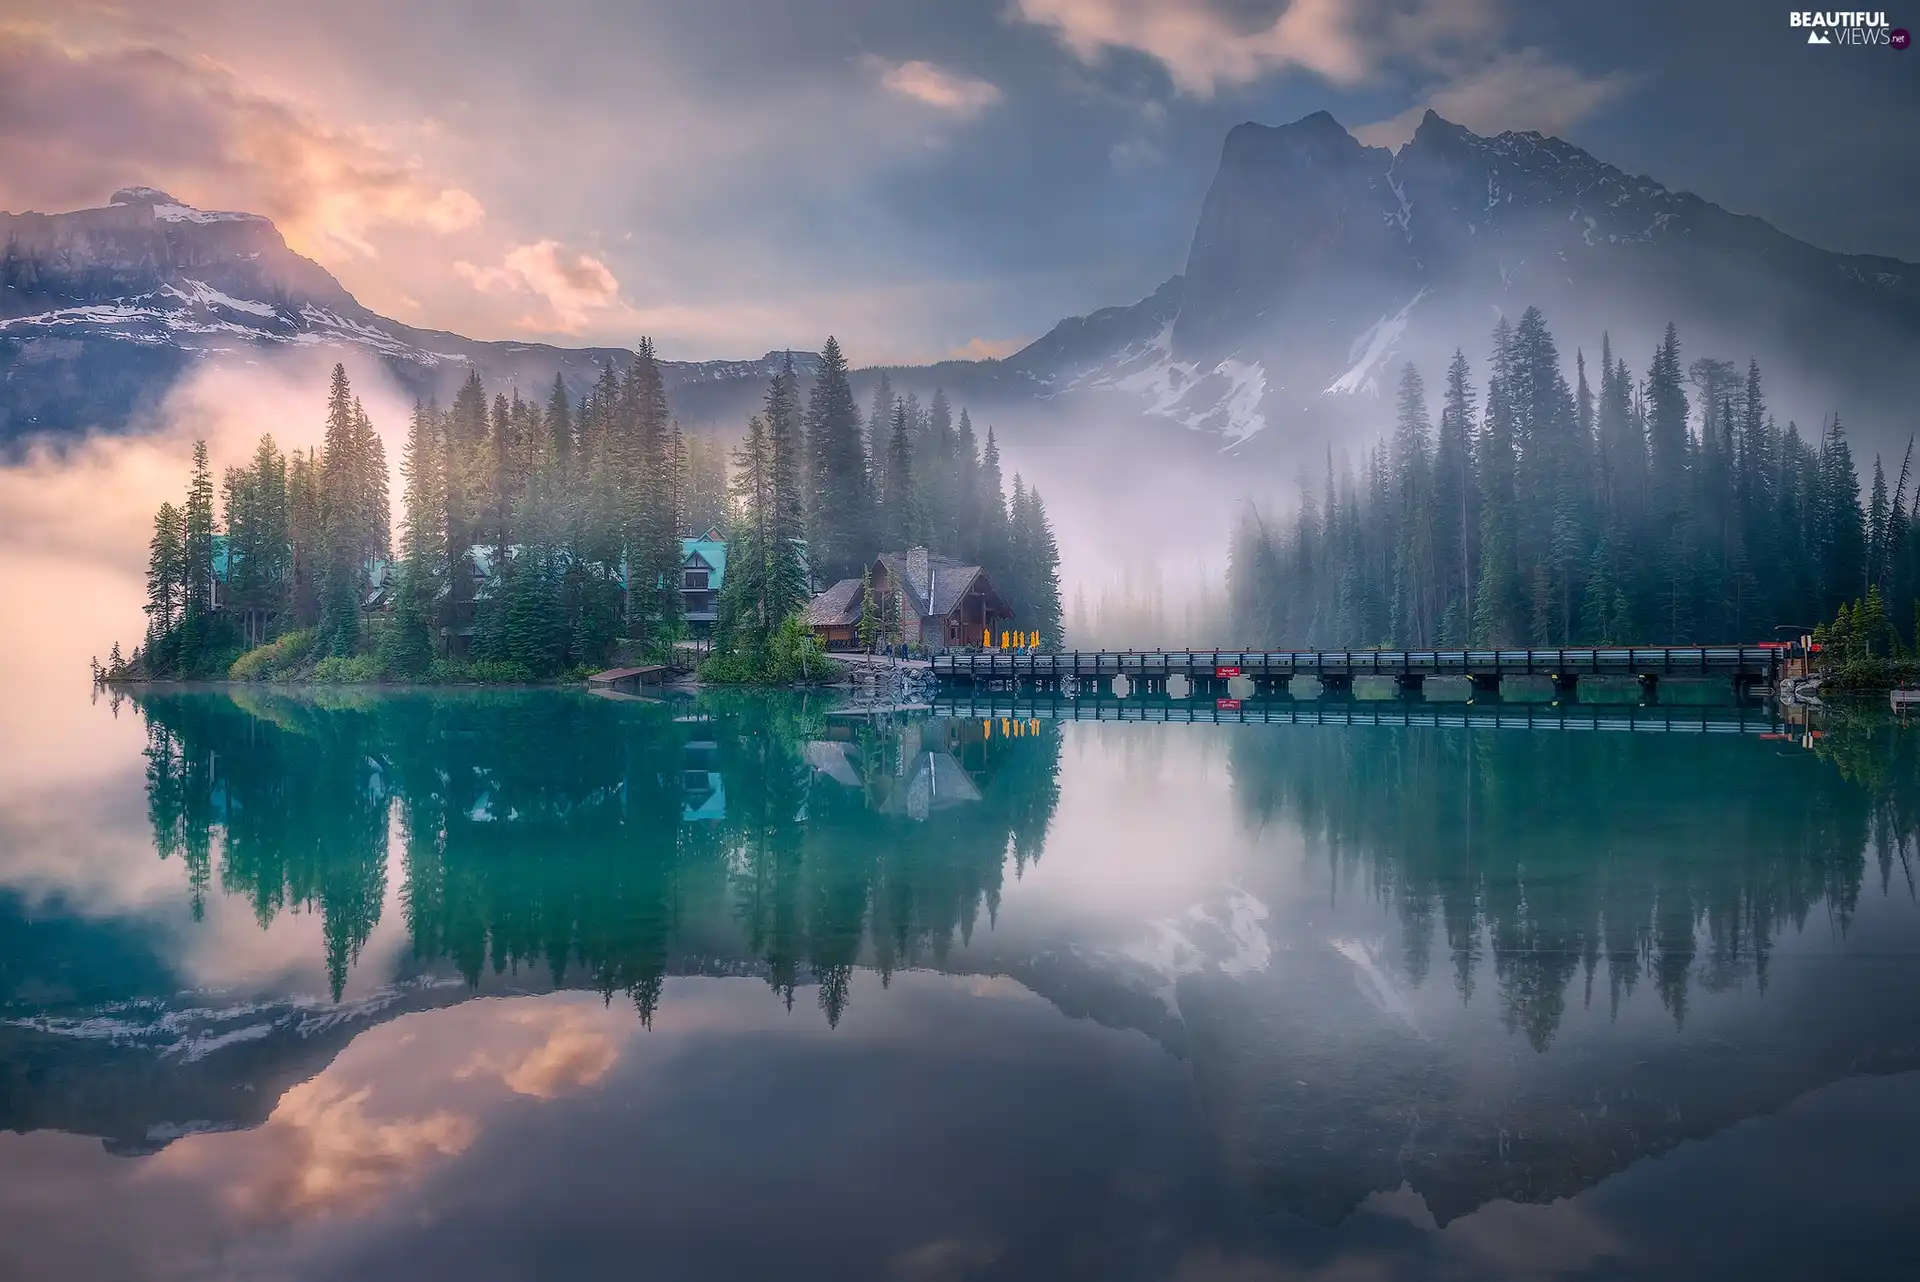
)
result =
(508, 984)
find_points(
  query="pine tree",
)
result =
(900, 524)
(966, 492)
(407, 647)
(560, 420)
(166, 571)
(1042, 575)
(1415, 611)
(653, 543)
(788, 586)
(879, 425)
(842, 524)
(745, 620)
(994, 546)
(196, 537)
(1456, 520)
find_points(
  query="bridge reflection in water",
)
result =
(1020, 707)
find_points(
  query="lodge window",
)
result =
(695, 579)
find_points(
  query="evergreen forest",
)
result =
(542, 537)
(1666, 509)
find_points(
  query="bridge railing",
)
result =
(1567, 661)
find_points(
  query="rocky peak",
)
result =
(142, 196)
(1287, 202)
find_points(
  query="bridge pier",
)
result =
(1486, 686)
(1650, 687)
(1336, 685)
(1410, 685)
(1566, 687)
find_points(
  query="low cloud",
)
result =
(949, 91)
(330, 1153)
(1206, 45)
(988, 349)
(550, 1050)
(1521, 90)
(76, 122)
(576, 287)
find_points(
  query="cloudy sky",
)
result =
(924, 179)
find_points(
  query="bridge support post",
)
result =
(1649, 687)
(1336, 685)
(1566, 687)
(1486, 686)
(1411, 685)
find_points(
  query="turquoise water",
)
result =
(515, 984)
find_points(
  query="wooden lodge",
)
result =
(927, 601)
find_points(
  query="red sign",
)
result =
(1227, 705)
(1226, 672)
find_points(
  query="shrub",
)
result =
(792, 653)
(1863, 675)
(348, 670)
(274, 660)
(479, 671)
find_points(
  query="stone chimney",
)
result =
(919, 575)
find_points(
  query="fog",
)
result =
(76, 515)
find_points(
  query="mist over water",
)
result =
(313, 982)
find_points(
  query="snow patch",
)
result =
(198, 291)
(1231, 943)
(1371, 350)
(188, 214)
(1405, 214)
(1183, 391)
(1374, 982)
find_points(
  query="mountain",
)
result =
(1319, 264)
(101, 310)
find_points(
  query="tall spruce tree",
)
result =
(788, 586)
(900, 512)
(842, 526)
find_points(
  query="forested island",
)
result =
(542, 540)
(1554, 515)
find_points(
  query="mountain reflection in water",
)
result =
(1245, 980)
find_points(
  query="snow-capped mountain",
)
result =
(1319, 265)
(102, 309)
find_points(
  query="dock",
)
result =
(627, 680)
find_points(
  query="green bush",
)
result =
(357, 669)
(792, 653)
(1868, 674)
(479, 672)
(274, 660)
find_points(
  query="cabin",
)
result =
(703, 571)
(930, 602)
(834, 615)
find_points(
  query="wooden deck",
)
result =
(627, 680)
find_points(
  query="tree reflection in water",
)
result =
(611, 844)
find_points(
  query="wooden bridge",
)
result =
(1272, 671)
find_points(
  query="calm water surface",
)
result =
(513, 985)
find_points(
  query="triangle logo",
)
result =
(1815, 38)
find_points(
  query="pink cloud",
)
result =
(575, 286)
(949, 91)
(77, 122)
